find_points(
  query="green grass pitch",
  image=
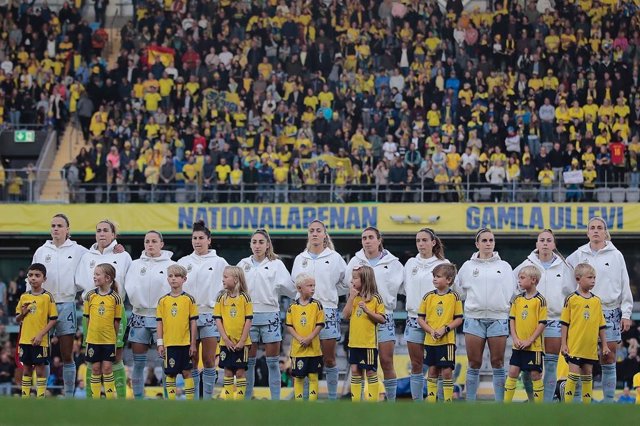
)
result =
(15, 411)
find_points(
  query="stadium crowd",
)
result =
(323, 101)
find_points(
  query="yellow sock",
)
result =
(41, 388)
(638, 395)
(372, 391)
(432, 389)
(510, 388)
(447, 389)
(538, 390)
(227, 390)
(356, 388)
(298, 388)
(587, 388)
(171, 387)
(189, 388)
(570, 387)
(313, 386)
(241, 388)
(26, 386)
(109, 386)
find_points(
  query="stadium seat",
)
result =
(603, 195)
(633, 195)
(618, 195)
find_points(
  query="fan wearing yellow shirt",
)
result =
(304, 321)
(364, 310)
(583, 323)
(234, 313)
(152, 100)
(36, 313)
(439, 314)
(325, 97)
(176, 316)
(311, 100)
(528, 319)
(103, 311)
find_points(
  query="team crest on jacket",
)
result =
(414, 271)
(47, 259)
(247, 267)
(359, 312)
(92, 264)
(32, 308)
(524, 314)
(586, 314)
(189, 267)
(143, 271)
(305, 262)
(174, 310)
(233, 312)
(101, 309)
(303, 321)
(439, 309)
(476, 272)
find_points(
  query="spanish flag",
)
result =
(160, 53)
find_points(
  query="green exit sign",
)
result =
(26, 136)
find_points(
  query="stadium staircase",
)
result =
(55, 188)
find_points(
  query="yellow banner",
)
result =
(393, 218)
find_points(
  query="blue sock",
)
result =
(528, 384)
(137, 375)
(251, 377)
(498, 383)
(273, 364)
(417, 383)
(609, 382)
(390, 388)
(332, 382)
(69, 377)
(195, 373)
(208, 383)
(550, 378)
(473, 379)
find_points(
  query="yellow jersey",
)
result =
(233, 311)
(176, 314)
(527, 314)
(363, 332)
(304, 319)
(584, 317)
(42, 309)
(438, 310)
(101, 310)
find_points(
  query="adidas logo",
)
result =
(587, 395)
(299, 396)
(39, 356)
(440, 302)
(570, 393)
(586, 307)
(526, 306)
(102, 303)
(430, 394)
(530, 362)
(313, 393)
(362, 362)
(112, 354)
(443, 359)
(109, 391)
(175, 304)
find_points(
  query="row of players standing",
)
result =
(485, 282)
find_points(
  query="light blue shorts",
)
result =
(387, 330)
(266, 327)
(613, 318)
(143, 330)
(413, 332)
(67, 319)
(331, 329)
(553, 329)
(486, 328)
(207, 327)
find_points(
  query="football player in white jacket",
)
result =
(389, 277)
(204, 283)
(556, 283)
(146, 282)
(61, 256)
(327, 267)
(418, 281)
(104, 251)
(267, 280)
(486, 284)
(613, 289)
